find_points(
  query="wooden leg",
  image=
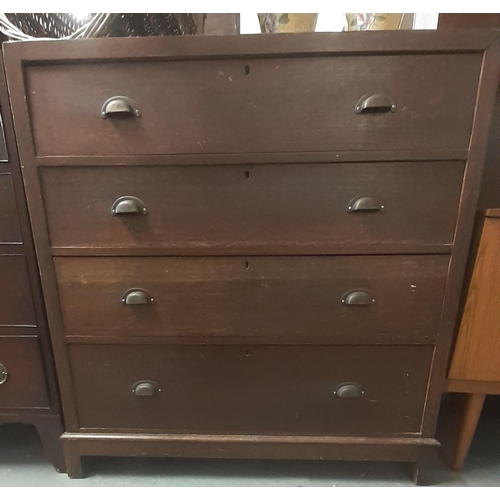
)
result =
(50, 431)
(472, 411)
(419, 472)
(73, 461)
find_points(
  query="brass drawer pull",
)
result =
(376, 103)
(128, 205)
(137, 297)
(348, 390)
(145, 388)
(365, 204)
(358, 298)
(3, 374)
(119, 106)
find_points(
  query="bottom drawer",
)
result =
(22, 381)
(252, 389)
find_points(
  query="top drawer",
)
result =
(265, 105)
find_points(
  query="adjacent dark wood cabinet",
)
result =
(28, 389)
(253, 246)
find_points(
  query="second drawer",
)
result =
(347, 208)
(372, 299)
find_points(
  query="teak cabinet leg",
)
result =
(49, 432)
(73, 461)
(470, 416)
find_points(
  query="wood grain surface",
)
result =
(266, 209)
(282, 299)
(252, 389)
(477, 350)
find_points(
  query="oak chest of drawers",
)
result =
(253, 246)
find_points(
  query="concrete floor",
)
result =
(22, 463)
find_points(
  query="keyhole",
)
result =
(247, 265)
(247, 69)
(247, 175)
(247, 354)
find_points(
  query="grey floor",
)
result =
(22, 463)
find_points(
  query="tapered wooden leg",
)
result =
(471, 413)
(49, 431)
(73, 461)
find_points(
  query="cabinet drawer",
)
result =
(285, 209)
(22, 381)
(252, 389)
(266, 105)
(308, 298)
(10, 229)
(16, 306)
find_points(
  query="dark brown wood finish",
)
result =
(477, 351)
(470, 193)
(224, 47)
(24, 386)
(453, 21)
(286, 390)
(255, 158)
(283, 299)
(490, 186)
(10, 228)
(29, 394)
(438, 130)
(16, 306)
(172, 121)
(241, 446)
(268, 209)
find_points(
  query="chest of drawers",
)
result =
(253, 246)
(28, 389)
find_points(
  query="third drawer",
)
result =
(372, 299)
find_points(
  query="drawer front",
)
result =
(22, 381)
(10, 229)
(252, 389)
(258, 105)
(287, 209)
(16, 306)
(371, 299)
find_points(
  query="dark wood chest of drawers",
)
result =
(28, 390)
(253, 246)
